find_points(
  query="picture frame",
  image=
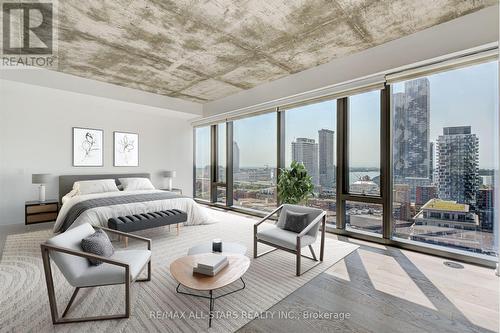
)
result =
(88, 147)
(125, 149)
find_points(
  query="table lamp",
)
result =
(169, 175)
(42, 179)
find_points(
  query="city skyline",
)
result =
(473, 89)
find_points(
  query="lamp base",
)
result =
(41, 193)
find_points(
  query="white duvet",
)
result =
(99, 216)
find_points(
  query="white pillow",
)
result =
(69, 195)
(95, 186)
(132, 184)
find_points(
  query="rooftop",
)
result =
(438, 204)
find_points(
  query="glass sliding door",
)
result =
(255, 162)
(444, 158)
(202, 163)
(310, 138)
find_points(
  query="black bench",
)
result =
(144, 221)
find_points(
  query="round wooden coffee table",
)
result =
(182, 270)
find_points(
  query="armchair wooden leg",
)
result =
(50, 285)
(125, 241)
(127, 292)
(255, 241)
(298, 257)
(72, 299)
(322, 249)
(312, 253)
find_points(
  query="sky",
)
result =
(466, 96)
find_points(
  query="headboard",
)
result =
(66, 182)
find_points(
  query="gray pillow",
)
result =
(98, 243)
(296, 222)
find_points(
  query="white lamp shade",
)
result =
(40, 178)
(169, 174)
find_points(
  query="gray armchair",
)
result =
(123, 267)
(289, 241)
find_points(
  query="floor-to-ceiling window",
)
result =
(255, 162)
(202, 163)
(310, 139)
(444, 151)
(412, 161)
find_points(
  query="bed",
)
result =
(98, 208)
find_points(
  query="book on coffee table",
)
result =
(212, 261)
(211, 264)
(210, 272)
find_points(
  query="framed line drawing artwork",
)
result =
(126, 149)
(88, 147)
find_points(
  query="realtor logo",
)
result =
(28, 34)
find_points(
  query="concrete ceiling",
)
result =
(205, 50)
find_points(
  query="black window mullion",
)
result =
(229, 163)
(280, 161)
(213, 163)
(342, 161)
(385, 162)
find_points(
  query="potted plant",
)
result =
(295, 185)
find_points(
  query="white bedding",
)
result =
(99, 216)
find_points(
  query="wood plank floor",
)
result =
(383, 289)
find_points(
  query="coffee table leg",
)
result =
(211, 298)
(212, 301)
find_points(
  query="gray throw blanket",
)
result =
(81, 207)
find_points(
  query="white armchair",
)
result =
(123, 267)
(289, 241)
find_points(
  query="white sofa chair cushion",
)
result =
(284, 238)
(71, 266)
(112, 274)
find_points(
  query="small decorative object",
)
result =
(294, 184)
(41, 179)
(169, 175)
(217, 245)
(126, 149)
(87, 147)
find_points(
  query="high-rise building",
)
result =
(326, 158)
(401, 197)
(411, 130)
(484, 209)
(236, 157)
(425, 193)
(305, 150)
(431, 161)
(457, 165)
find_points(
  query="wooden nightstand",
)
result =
(39, 212)
(175, 190)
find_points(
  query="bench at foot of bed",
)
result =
(144, 221)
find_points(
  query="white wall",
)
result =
(36, 134)
(466, 32)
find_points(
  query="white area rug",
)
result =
(24, 302)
